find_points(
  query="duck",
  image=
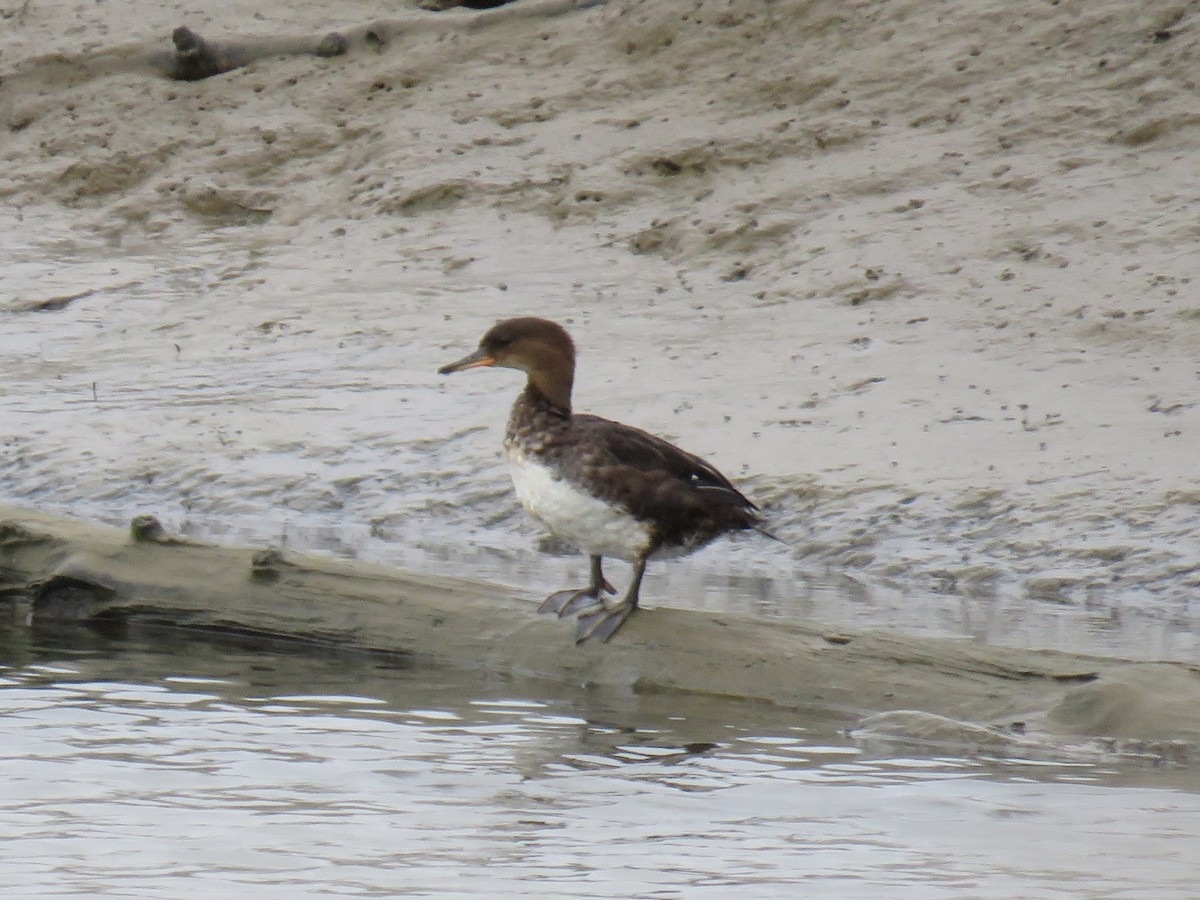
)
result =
(606, 488)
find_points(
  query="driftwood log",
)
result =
(195, 58)
(64, 569)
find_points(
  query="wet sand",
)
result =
(956, 267)
(953, 248)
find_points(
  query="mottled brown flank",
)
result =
(685, 500)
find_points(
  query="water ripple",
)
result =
(161, 765)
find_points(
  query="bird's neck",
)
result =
(552, 383)
(549, 396)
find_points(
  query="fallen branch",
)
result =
(196, 58)
(65, 569)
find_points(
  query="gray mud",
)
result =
(919, 280)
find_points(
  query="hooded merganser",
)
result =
(606, 488)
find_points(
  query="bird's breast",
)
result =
(572, 512)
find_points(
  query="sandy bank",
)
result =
(951, 690)
(918, 276)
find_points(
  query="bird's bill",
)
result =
(473, 361)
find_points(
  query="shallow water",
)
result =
(156, 764)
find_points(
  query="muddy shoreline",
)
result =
(918, 280)
(71, 570)
(953, 251)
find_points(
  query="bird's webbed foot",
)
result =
(570, 601)
(601, 624)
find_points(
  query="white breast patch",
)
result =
(595, 527)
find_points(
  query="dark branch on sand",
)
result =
(195, 58)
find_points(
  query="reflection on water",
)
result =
(159, 763)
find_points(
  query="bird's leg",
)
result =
(603, 623)
(564, 603)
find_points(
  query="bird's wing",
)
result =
(639, 452)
